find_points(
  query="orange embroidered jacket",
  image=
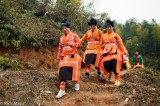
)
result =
(93, 39)
(68, 44)
(111, 43)
(114, 48)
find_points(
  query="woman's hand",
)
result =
(126, 53)
(70, 44)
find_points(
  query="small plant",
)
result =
(4, 38)
(29, 65)
(16, 43)
(9, 63)
(149, 71)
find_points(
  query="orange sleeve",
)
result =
(84, 38)
(102, 42)
(59, 49)
(120, 44)
(101, 34)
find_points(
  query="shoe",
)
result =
(86, 75)
(77, 87)
(99, 74)
(117, 83)
(60, 94)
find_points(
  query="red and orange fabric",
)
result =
(67, 54)
(93, 46)
(113, 48)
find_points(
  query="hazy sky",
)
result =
(121, 10)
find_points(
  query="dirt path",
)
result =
(93, 92)
(39, 88)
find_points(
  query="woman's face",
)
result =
(65, 30)
(109, 28)
(93, 27)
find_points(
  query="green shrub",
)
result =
(149, 71)
(9, 63)
(16, 43)
(4, 35)
(153, 62)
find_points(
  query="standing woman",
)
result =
(92, 52)
(112, 52)
(69, 60)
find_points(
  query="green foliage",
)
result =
(146, 34)
(24, 24)
(4, 8)
(74, 11)
(16, 43)
(102, 19)
(132, 45)
(37, 23)
(149, 71)
(9, 63)
(129, 28)
(7, 32)
(152, 61)
(4, 37)
(29, 65)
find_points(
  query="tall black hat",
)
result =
(92, 22)
(66, 23)
(109, 22)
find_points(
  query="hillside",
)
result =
(39, 88)
(36, 83)
(29, 37)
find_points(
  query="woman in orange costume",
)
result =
(92, 53)
(69, 60)
(112, 52)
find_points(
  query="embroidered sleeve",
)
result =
(76, 42)
(100, 34)
(101, 42)
(83, 38)
(120, 44)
